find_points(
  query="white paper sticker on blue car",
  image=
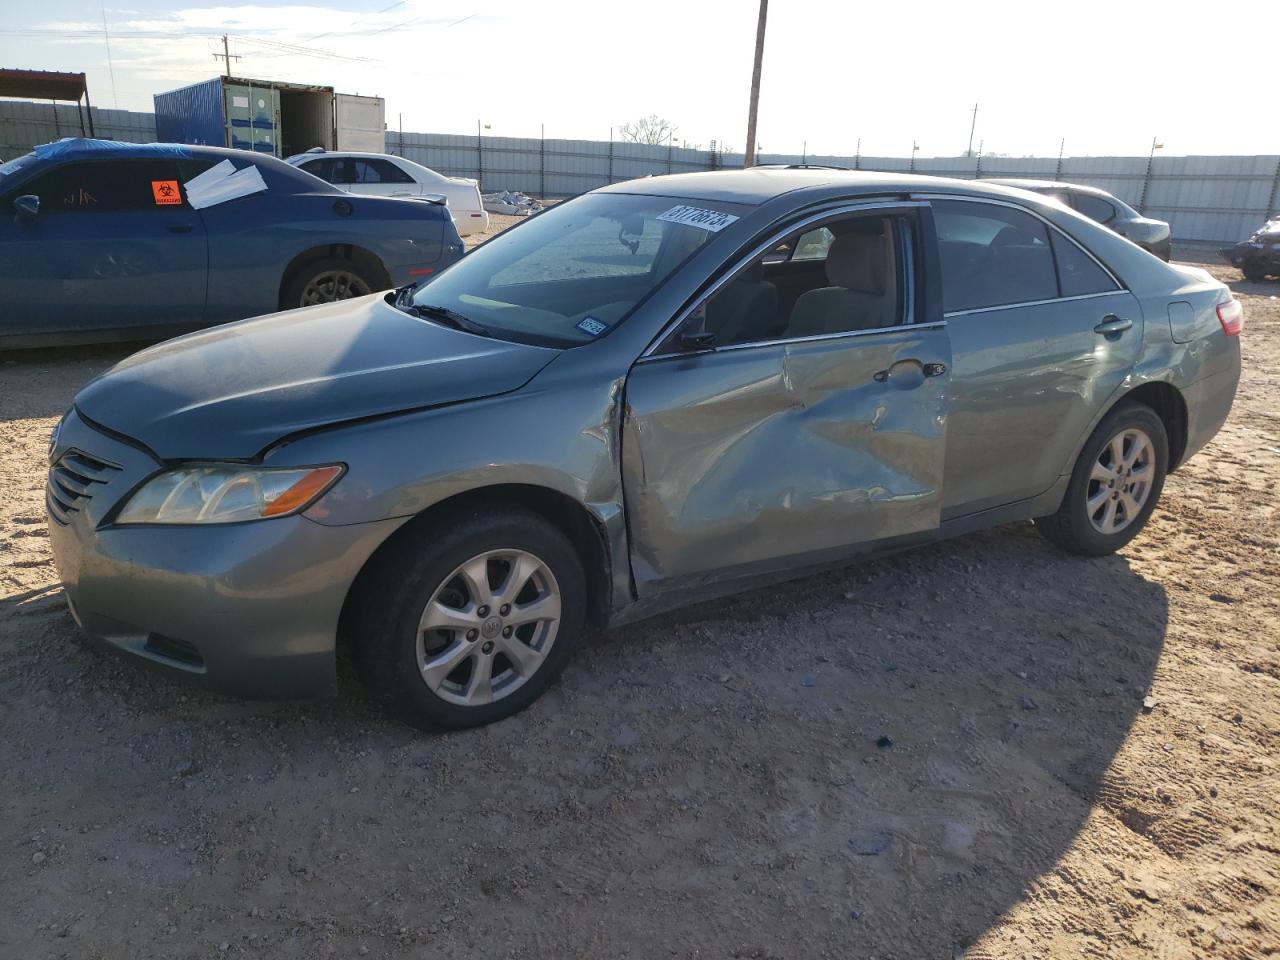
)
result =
(592, 326)
(712, 220)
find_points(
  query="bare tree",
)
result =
(650, 129)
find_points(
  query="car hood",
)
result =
(232, 391)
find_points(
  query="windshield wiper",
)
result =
(450, 318)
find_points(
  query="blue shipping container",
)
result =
(192, 114)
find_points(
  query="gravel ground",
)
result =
(941, 754)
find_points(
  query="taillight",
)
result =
(1231, 316)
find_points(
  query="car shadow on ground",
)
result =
(875, 761)
(42, 382)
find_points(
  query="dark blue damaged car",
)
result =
(102, 241)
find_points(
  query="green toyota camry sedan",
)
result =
(661, 391)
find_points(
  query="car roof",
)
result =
(88, 147)
(757, 185)
(320, 154)
(1049, 185)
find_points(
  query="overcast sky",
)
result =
(1107, 75)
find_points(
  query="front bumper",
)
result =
(249, 609)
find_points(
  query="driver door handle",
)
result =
(928, 369)
(1113, 324)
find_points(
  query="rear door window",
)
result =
(379, 171)
(1078, 273)
(992, 256)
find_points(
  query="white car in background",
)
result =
(383, 175)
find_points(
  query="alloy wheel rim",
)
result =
(333, 285)
(488, 627)
(1120, 481)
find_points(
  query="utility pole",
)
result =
(1146, 180)
(973, 126)
(1062, 146)
(750, 158)
(226, 55)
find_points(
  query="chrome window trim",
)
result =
(779, 341)
(1033, 303)
(1120, 287)
(762, 248)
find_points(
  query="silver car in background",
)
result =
(662, 391)
(1154, 236)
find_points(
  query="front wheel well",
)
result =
(583, 529)
(1169, 405)
(364, 260)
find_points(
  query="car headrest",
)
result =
(857, 261)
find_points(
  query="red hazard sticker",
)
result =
(166, 192)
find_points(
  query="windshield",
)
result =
(16, 164)
(576, 271)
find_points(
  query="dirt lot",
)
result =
(937, 755)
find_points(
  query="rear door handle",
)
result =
(1113, 324)
(179, 228)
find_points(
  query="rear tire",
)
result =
(326, 281)
(1115, 484)
(1253, 272)
(443, 650)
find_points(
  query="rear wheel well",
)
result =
(566, 514)
(366, 262)
(1171, 408)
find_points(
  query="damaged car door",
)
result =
(792, 415)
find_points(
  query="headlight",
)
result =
(227, 494)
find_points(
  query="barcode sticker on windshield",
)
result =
(711, 220)
(592, 326)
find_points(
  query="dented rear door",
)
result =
(765, 456)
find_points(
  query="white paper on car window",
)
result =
(205, 191)
(215, 173)
(711, 220)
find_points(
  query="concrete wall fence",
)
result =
(1206, 199)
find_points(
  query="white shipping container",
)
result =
(359, 123)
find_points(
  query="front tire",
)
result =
(464, 623)
(1115, 485)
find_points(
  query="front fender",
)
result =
(562, 438)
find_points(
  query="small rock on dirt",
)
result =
(871, 844)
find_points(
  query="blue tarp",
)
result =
(75, 146)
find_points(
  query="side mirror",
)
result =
(697, 340)
(27, 206)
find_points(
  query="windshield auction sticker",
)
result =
(591, 326)
(711, 220)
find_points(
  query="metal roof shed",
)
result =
(49, 85)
